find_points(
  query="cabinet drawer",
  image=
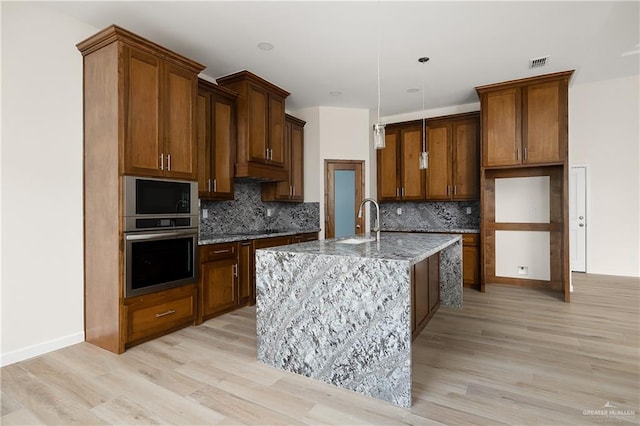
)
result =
(217, 251)
(471, 239)
(162, 312)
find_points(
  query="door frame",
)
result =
(587, 202)
(330, 166)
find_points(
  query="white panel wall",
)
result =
(342, 134)
(522, 200)
(528, 249)
(604, 134)
(42, 260)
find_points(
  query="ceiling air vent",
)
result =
(538, 62)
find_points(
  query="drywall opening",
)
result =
(522, 199)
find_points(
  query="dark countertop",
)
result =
(205, 239)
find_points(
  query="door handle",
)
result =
(581, 225)
(580, 217)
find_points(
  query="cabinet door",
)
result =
(179, 125)
(439, 169)
(223, 128)
(501, 131)
(412, 177)
(545, 133)
(142, 142)
(387, 165)
(466, 159)
(296, 165)
(283, 188)
(203, 141)
(470, 266)
(219, 286)
(245, 274)
(276, 130)
(258, 104)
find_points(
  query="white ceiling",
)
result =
(321, 47)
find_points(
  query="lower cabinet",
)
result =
(155, 314)
(218, 279)
(425, 286)
(471, 260)
(227, 273)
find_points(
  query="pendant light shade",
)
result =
(378, 135)
(424, 155)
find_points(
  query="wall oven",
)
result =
(160, 234)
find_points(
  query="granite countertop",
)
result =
(434, 230)
(411, 247)
(205, 239)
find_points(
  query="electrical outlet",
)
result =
(205, 213)
(269, 212)
(399, 211)
(468, 210)
(523, 270)
(532, 210)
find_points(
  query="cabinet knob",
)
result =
(161, 161)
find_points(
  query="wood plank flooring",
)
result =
(511, 356)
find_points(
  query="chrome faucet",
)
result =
(376, 224)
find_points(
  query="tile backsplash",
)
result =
(248, 213)
(430, 216)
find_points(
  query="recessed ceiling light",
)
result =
(265, 45)
(335, 93)
(413, 90)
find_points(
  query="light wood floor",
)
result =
(511, 356)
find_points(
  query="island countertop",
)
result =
(411, 247)
(346, 313)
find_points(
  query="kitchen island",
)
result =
(344, 311)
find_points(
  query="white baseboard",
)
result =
(40, 348)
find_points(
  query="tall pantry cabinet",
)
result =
(139, 118)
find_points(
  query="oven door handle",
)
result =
(159, 235)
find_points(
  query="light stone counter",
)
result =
(341, 313)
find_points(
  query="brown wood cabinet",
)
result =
(260, 126)
(398, 164)
(216, 136)
(524, 122)
(425, 280)
(292, 189)
(525, 134)
(159, 105)
(453, 171)
(139, 109)
(471, 260)
(218, 279)
(155, 314)
(246, 254)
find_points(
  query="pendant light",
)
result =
(424, 155)
(378, 128)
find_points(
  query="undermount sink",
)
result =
(355, 240)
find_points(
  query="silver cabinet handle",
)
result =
(293, 190)
(169, 162)
(215, 185)
(164, 314)
(397, 192)
(235, 269)
(517, 153)
(221, 251)
(209, 185)
(403, 191)
(525, 152)
(161, 161)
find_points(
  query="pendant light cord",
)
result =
(378, 59)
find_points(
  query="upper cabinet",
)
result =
(156, 92)
(260, 126)
(292, 189)
(216, 136)
(398, 164)
(453, 143)
(524, 122)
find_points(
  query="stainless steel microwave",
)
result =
(151, 203)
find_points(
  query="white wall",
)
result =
(334, 134)
(604, 135)
(42, 260)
